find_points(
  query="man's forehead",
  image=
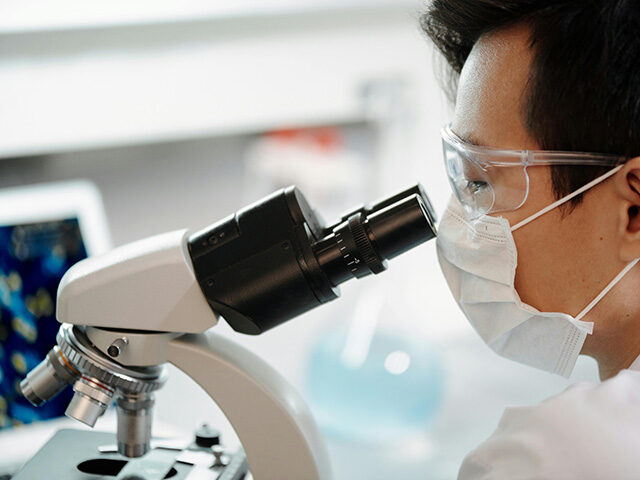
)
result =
(491, 98)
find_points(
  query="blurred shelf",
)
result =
(51, 15)
(84, 89)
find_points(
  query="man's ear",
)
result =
(628, 187)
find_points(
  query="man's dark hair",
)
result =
(583, 92)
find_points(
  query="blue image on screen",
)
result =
(33, 259)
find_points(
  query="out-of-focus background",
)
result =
(180, 113)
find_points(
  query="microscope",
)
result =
(127, 313)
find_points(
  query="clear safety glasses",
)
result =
(488, 180)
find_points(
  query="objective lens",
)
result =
(361, 244)
(89, 401)
(135, 415)
(48, 379)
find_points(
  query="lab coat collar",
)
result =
(635, 365)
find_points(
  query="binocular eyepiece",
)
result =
(275, 259)
(363, 240)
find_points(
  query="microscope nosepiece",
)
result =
(96, 380)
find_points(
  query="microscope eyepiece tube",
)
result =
(275, 259)
(362, 244)
(401, 226)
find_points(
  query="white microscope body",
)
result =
(126, 313)
(124, 297)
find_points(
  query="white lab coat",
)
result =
(589, 431)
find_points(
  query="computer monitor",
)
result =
(44, 230)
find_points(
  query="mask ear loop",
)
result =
(606, 290)
(547, 209)
(563, 200)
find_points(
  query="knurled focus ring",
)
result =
(129, 381)
(363, 243)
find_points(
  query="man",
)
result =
(540, 243)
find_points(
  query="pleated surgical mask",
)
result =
(478, 258)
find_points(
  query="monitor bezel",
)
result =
(78, 199)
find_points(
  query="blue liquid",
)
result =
(395, 390)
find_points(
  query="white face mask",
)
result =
(479, 259)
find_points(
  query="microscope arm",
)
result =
(274, 425)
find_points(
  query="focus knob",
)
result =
(207, 437)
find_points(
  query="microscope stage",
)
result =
(76, 455)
